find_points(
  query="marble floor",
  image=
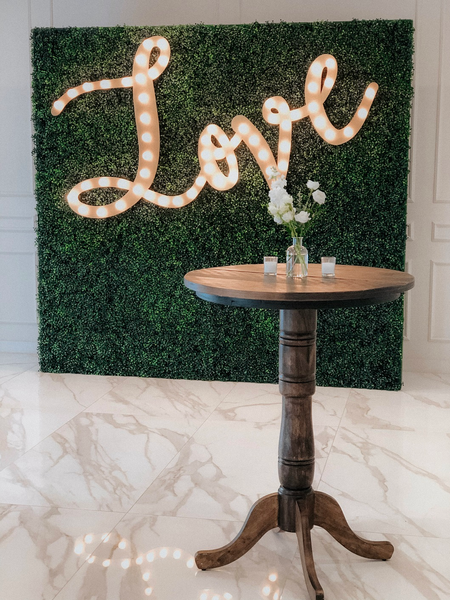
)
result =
(109, 485)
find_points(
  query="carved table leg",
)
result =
(304, 512)
(263, 517)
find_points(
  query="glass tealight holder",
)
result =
(328, 265)
(270, 265)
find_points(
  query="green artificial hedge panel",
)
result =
(111, 293)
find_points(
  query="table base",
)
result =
(309, 510)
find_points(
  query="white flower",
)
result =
(288, 216)
(312, 185)
(278, 220)
(279, 182)
(279, 196)
(274, 173)
(319, 197)
(302, 216)
(273, 209)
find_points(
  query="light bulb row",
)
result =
(209, 153)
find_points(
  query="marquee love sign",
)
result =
(214, 145)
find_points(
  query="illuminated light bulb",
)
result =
(146, 576)
(103, 182)
(285, 146)
(362, 113)
(243, 128)
(316, 68)
(150, 556)
(147, 155)
(282, 165)
(79, 549)
(163, 60)
(72, 197)
(91, 560)
(227, 596)
(219, 154)
(88, 539)
(234, 174)
(313, 87)
(209, 168)
(88, 87)
(313, 107)
(203, 596)
(163, 201)
(126, 81)
(177, 554)
(269, 171)
(153, 73)
(141, 78)
(215, 597)
(206, 155)
(253, 140)
(231, 158)
(122, 545)
(58, 105)
(148, 591)
(105, 537)
(125, 563)
(178, 201)
(370, 93)
(83, 209)
(320, 122)
(138, 190)
(205, 140)
(330, 62)
(148, 44)
(270, 103)
(120, 205)
(163, 553)
(145, 173)
(329, 82)
(348, 132)
(101, 212)
(273, 577)
(212, 129)
(141, 59)
(275, 596)
(263, 155)
(162, 44)
(86, 185)
(144, 98)
(285, 125)
(106, 562)
(145, 118)
(272, 118)
(218, 180)
(123, 184)
(330, 134)
(190, 563)
(105, 84)
(266, 590)
(72, 93)
(139, 560)
(223, 140)
(284, 109)
(149, 195)
(146, 137)
(200, 181)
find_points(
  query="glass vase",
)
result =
(297, 259)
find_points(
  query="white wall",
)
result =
(427, 326)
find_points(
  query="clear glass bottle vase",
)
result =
(297, 259)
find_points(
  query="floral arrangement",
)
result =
(297, 220)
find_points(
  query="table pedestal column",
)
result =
(296, 507)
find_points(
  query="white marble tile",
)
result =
(404, 411)
(11, 364)
(261, 404)
(176, 399)
(418, 570)
(426, 383)
(222, 471)
(164, 549)
(42, 548)
(97, 462)
(391, 481)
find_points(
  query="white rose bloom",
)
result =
(312, 185)
(288, 216)
(279, 196)
(280, 182)
(319, 196)
(272, 209)
(278, 220)
(302, 216)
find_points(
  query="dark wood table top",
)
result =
(246, 285)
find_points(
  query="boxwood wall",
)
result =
(111, 293)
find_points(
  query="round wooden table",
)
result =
(296, 507)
